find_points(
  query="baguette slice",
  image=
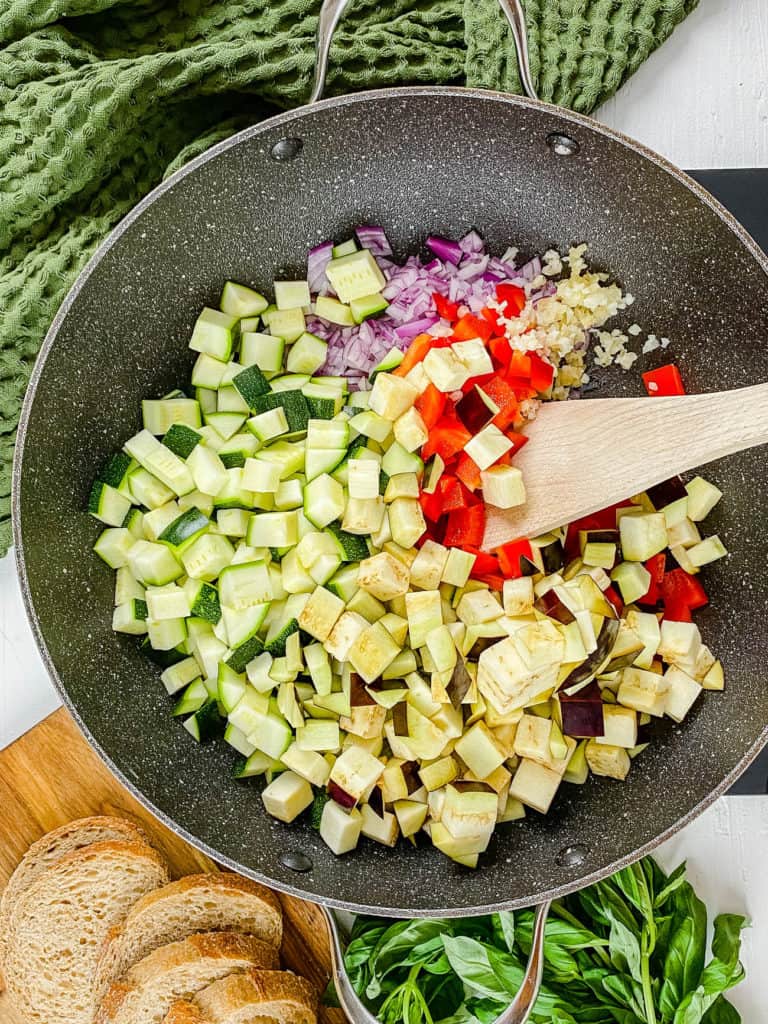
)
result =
(278, 995)
(178, 971)
(75, 835)
(57, 926)
(197, 903)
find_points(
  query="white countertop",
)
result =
(701, 101)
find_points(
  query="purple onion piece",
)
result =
(374, 238)
(445, 249)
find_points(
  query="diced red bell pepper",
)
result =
(445, 308)
(494, 581)
(471, 326)
(612, 595)
(680, 590)
(431, 505)
(414, 354)
(430, 404)
(656, 567)
(499, 391)
(510, 554)
(501, 352)
(466, 526)
(468, 471)
(542, 373)
(518, 440)
(663, 382)
(493, 319)
(485, 563)
(519, 366)
(512, 298)
(453, 494)
(447, 438)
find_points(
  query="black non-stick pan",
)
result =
(416, 160)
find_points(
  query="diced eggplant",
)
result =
(335, 792)
(582, 713)
(476, 410)
(400, 719)
(606, 639)
(460, 683)
(553, 607)
(551, 551)
(358, 694)
(666, 492)
(610, 761)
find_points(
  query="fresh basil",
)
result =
(628, 950)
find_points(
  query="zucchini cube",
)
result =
(487, 446)
(445, 370)
(425, 612)
(406, 521)
(474, 355)
(429, 565)
(458, 567)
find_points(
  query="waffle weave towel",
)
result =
(100, 99)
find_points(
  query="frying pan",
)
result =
(416, 160)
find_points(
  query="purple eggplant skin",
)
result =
(410, 772)
(400, 719)
(341, 796)
(605, 642)
(549, 604)
(358, 695)
(474, 412)
(376, 801)
(666, 492)
(470, 786)
(582, 713)
(552, 557)
(460, 683)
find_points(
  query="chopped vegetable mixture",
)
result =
(303, 555)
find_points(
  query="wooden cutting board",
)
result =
(51, 776)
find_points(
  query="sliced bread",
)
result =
(179, 970)
(52, 847)
(240, 998)
(197, 903)
(58, 924)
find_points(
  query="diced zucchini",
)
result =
(107, 504)
(707, 551)
(159, 415)
(206, 556)
(130, 617)
(241, 301)
(116, 470)
(288, 324)
(176, 677)
(290, 294)
(273, 529)
(181, 440)
(214, 333)
(702, 498)
(307, 354)
(160, 461)
(166, 634)
(633, 580)
(355, 275)
(324, 500)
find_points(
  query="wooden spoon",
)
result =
(585, 455)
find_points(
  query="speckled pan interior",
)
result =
(415, 161)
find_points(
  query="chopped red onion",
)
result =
(317, 261)
(373, 237)
(445, 249)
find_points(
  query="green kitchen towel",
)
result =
(100, 99)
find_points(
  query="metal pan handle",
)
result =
(331, 12)
(518, 1011)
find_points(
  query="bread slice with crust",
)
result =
(75, 835)
(250, 997)
(198, 903)
(57, 926)
(179, 970)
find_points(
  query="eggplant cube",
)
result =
(679, 641)
(608, 760)
(715, 678)
(503, 486)
(392, 396)
(534, 785)
(682, 694)
(488, 446)
(540, 644)
(442, 649)
(425, 613)
(321, 613)
(646, 626)
(620, 727)
(367, 722)
(425, 738)
(633, 580)
(363, 475)
(381, 828)
(478, 606)
(356, 772)
(372, 651)
(308, 764)
(406, 521)
(428, 566)
(339, 829)
(470, 815)
(287, 796)
(474, 355)
(383, 576)
(348, 628)
(458, 567)
(463, 851)
(513, 811)
(445, 370)
(479, 750)
(439, 773)
(518, 596)
(410, 815)
(410, 430)
(702, 498)
(643, 691)
(643, 535)
(532, 738)
(363, 516)
(505, 679)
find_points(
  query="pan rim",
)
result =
(287, 117)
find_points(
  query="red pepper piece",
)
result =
(414, 354)
(542, 373)
(493, 319)
(430, 404)
(512, 298)
(655, 567)
(485, 563)
(612, 595)
(446, 309)
(447, 438)
(494, 581)
(431, 505)
(453, 494)
(471, 326)
(502, 395)
(501, 352)
(466, 526)
(663, 382)
(679, 588)
(510, 554)
(519, 366)
(468, 471)
(518, 440)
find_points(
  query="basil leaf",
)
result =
(470, 960)
(483, 1010)
(721, 973)
(686, 947)
(721, 1012)
(624, 950)
(620, 987)
(504, 928)
(673, 883)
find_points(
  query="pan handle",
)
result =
(517, 1012)
(331, 12)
